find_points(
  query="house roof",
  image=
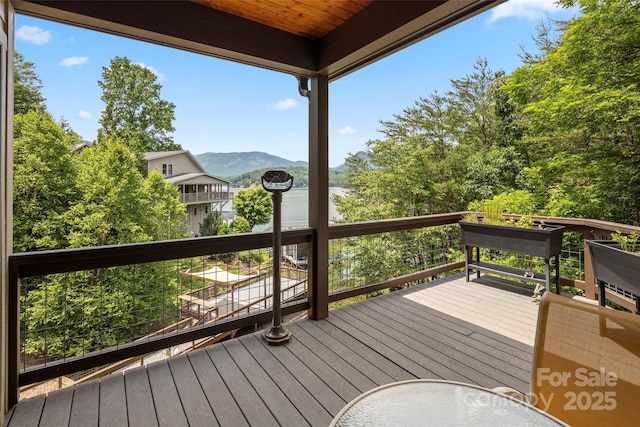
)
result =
(195, 178)
(155, 155)
(300, 37)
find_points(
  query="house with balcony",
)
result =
(201, 192)
(440, 328)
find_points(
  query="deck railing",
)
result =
(201, 197)
(415, 249)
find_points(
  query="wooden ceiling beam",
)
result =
(385, 27)
(375, 31)
(185, 25)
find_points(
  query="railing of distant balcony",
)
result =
(417, 249)
(202, 197)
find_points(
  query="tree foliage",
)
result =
(211, 224)
(558, 136)
(108, 202)
(27, 95)
(240, 225)
(110, 209)
(96, 197)
(580, 103)
(77, 312)
(253, 204)
(134, 110)
(44, 182)
(555, 127)
(167, 215)
(420, 167)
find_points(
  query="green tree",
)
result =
(27, 95)
(134, 110)
(473, 101)
(253, 204)
(77, 312)
(210, 225)
(240, 225)
(580, 101)
(596, 69)
(492, 173)
(417, 169)
(112, 207)
(167, 216)
(44, 182)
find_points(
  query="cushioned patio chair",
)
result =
(586, 363)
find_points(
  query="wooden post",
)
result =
(8, 327)
(318, 259)
(589, 278)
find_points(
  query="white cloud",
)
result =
(85, 115)
(73, 61)
(32, 34)
(347, 130)
(285, 104)
(154, 70)
(523, 9)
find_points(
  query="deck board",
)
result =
(195, 403)
(314, 413)
(140, 407)
(341, 367)
(331, 399)
(28, 413)
(223, 405)
(169, 409)
(479, 332)
(267, 387)
(457, 336)
(256, 413)
(58, 410)
(378, 368)
(113, 408)
(86, 405)
(451, 339)
(477, 364)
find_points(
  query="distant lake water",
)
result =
(295, 208)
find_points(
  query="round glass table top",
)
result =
(439, 403)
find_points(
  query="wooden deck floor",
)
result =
(475, 332)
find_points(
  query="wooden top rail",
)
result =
(30, 264)
(78, 259)
(340, 231)
(66, 260)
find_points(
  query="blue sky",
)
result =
(222, 106)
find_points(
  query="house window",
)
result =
(206, 210)
(167, 169)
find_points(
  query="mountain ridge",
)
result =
(233, 164)
(237, 163)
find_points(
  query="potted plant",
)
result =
(617, 262)
(493, 230)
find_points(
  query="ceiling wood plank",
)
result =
(309, 18)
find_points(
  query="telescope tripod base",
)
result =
(277, 335)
